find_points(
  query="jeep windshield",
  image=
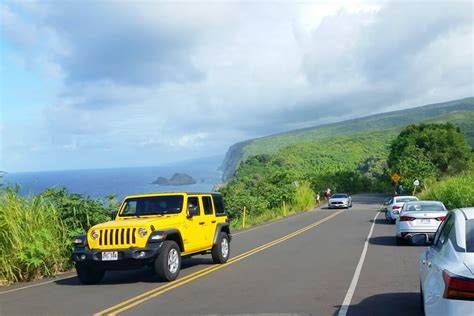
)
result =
(154, 205)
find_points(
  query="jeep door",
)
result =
(209, 219)
(194, 236)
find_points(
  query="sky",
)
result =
(98, 84)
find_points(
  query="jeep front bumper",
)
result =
(130, 258)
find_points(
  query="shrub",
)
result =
(304, 198)
(79, 213)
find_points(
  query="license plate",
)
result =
(109, 255)
(425, 221)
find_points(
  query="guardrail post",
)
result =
(244, 217)
(284, 208)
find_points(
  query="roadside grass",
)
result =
(454, 192)
(33, 239)
(303, 200)
(36, 232)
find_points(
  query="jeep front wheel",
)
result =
(168, 262)
(89, 275)
(221, 250)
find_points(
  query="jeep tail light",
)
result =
(396, 207)
(406, 218)
(458, 287)
(440, 218)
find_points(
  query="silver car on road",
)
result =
(340, 200)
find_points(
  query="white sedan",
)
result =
(419, 217)
(447, 267)
(394, 206)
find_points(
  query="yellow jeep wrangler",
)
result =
(157, 230)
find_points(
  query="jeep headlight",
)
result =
(142, 232)
(95, 234)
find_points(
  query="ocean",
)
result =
(98, 183)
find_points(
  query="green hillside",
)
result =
(459, 112)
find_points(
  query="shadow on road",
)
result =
(383, 241)
(144, 275)
(390, 241)
(406, 304)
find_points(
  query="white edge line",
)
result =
(350, 292)
(37, 284)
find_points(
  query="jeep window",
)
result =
(219, 204)
(207, 204)
(193, 204)
(155, 205)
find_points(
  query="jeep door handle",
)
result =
(201, 223)
(213, 222)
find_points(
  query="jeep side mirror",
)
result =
(113, 214)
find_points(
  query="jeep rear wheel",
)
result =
(168, 262)
(89, 275)
(221, 250)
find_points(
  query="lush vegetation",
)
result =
(429, 151)
(36, 232)
(454, 192)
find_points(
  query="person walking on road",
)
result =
(317, 199)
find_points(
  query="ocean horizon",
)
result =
(99, 183)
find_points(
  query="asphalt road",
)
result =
(302, 264)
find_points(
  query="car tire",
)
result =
(88, 274)
(168, 262)
(221, 250)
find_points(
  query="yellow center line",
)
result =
(136, 300)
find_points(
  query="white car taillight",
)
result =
(458, 287)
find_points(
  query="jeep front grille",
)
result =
(117, 236)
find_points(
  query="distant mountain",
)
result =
(459, 112)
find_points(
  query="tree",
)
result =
(429, 150)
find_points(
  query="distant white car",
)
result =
(394, 206)
(447, 267)
(340, 200)
(419, 217)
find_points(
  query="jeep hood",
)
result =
(157, 222)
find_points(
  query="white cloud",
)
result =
(163, 76)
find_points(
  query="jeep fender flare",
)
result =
(171, 234)
(221, 227)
